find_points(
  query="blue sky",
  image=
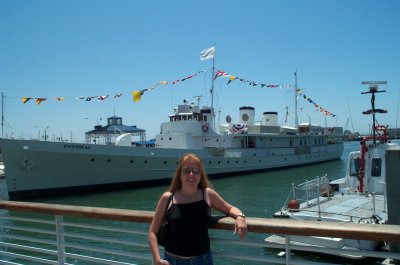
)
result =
(68, 49)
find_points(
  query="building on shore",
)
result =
(114, 128)
(394, 133)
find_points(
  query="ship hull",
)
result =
(37, 168)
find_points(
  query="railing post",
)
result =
(373, 202)
(294, 191)
(60, 239)
(307, 192)
(288, 251)
(318, 195)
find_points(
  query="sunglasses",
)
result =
(188, 170)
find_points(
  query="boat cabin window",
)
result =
(376, 167)
(355, 165)
(197, 117)
(184, 117)
(251, 142)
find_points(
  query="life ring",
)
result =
(204, 127)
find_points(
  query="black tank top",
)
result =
(187, 233)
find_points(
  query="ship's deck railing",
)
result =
(36, 233)
(311, 189)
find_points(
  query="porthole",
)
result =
(109, 160)
(131, 161)
(92, 160)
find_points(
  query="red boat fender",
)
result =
(293, 205)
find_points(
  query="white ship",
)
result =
(36, 168)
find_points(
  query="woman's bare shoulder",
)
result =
(210, 191)
(166, 195)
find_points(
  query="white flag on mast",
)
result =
(207, 54)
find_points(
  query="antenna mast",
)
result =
(373, 88)
(198, 100)
(212, 89)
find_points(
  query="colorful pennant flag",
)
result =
(320, 109)
(188, 77)
(137, 95)
(40, 100)
(251, 83)
(102, 97)
(24, 100)
(221, 73)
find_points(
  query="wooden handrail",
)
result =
(386, 232)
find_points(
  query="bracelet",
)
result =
(241, 215)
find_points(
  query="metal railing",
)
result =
(36, 233)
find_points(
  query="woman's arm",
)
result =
(155, 226)
(219, 204)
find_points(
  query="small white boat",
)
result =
(359, 197)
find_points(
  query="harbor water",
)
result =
(257, 195)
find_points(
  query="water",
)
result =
(257, 195)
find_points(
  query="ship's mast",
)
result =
(212, 89)
(296, 122)
(373, 88)
(2, 114)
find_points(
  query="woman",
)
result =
(188, 216)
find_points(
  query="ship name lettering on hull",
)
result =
(76, 146)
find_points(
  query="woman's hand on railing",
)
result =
(241, 227)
